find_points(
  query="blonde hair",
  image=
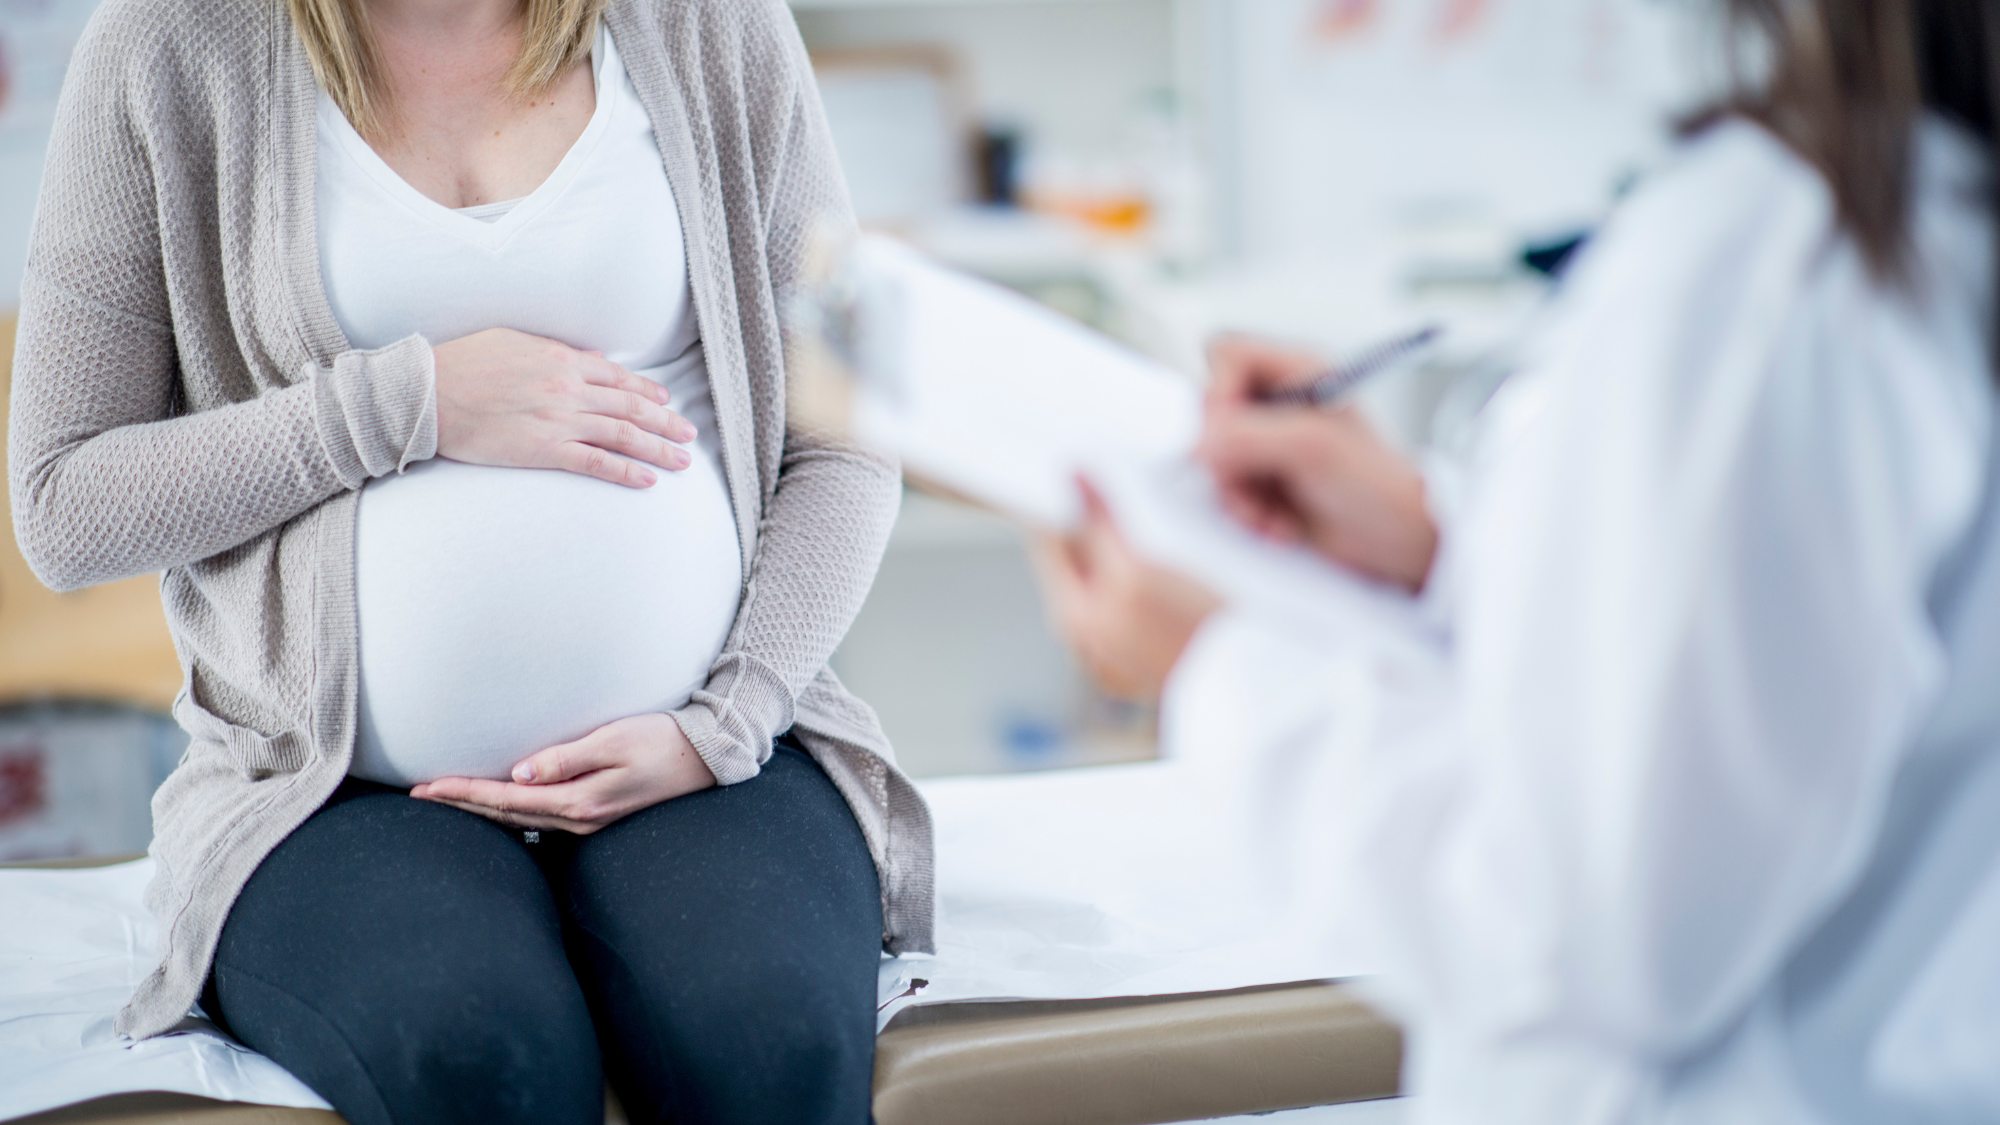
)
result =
(556, 35)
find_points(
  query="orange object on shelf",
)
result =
(1119, 213)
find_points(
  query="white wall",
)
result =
(20, 178)
(1074, 74)
(1527, 116)
(36, 38)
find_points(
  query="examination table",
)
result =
(1108, 1061)
(1111, 949)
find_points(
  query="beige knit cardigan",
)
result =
(184, 401)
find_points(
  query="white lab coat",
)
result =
(1689, 808)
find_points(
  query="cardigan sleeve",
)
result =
(827, 522)
(109, 477)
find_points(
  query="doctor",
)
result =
(1683, 803)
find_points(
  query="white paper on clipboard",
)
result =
(987, 393)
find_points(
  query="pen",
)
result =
(1333, 385)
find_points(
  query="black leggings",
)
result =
(415, 963)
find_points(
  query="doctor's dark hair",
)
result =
(1846, 82)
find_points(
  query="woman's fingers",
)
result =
(511, 399)
(512, 820)
(570, 807)
(621, 422)
(503, 797)
(643, 412)
(621, 436)
(569, 760)
(601, 372)
(595, 461)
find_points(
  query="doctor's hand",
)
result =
(1323, 478)
(1127, 619)
(614, 771)
(510, 399)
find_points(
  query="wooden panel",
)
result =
(106, 643)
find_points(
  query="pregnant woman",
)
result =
(431, 348)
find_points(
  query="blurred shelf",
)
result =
(1008, 244)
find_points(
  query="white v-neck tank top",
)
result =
(502, 611)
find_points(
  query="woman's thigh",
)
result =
(729, 941)
(405, 959)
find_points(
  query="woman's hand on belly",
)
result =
(615, 770)
(510, 399)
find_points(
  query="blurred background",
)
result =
(1330, 172)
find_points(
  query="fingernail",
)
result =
(647, 479)
(525, 772)
(681, 459)
(687, 432)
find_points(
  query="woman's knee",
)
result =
(786, 1048)
(468, 1049)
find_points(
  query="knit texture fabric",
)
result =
(183, 400)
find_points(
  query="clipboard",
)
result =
(992, 399)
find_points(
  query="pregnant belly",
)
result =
(503, 611)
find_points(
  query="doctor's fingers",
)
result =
(1293, 445)
(1076, 607)
(1096, 540)
(1241, 368)
(1080, 601)
(1105, 550)
(1060, 571)
(1069, 562)
(1264, 507)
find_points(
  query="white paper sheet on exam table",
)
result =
(75, 945)
(996, 397)
(1114, 881)
(1128, 880)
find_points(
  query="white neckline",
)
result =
(482, 211)
(494, 233)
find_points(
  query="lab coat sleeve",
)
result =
(1690, 645)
